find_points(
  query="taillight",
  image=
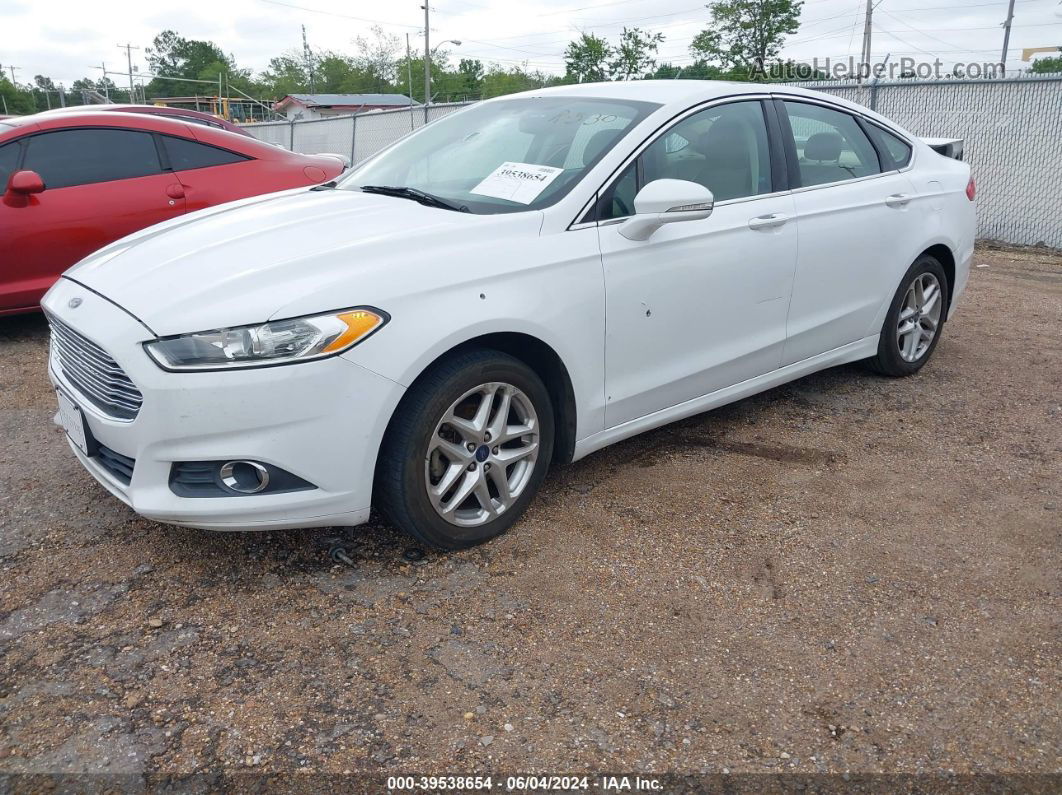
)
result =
(971, 189)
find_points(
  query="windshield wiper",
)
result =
(325, 185)
(416, 195)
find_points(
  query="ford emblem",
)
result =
(74, 303)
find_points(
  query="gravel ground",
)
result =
(847, 573)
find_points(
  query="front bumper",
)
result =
(322, 421)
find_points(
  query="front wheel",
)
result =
(466, 450)
(915, 320)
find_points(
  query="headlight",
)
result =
(277, 342)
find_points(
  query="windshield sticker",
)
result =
(517, 182)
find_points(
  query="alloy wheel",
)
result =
(482, 454)
(919, 317)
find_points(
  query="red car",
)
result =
(183, 114)
(76, 182)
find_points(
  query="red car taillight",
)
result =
(971, 189)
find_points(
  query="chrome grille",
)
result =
(93, 372)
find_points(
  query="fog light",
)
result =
(245, 477)
(232, 478)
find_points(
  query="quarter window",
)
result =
(80, 157)
(830, 145)
(899, 150)
(185, 155)
(725, 148)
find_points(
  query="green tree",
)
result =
(378, 60)
(698, 70)
(498, 81)
(334, 73)
(286, 74)
(14, 99)
(633, 56)
(586, 59)
(471, 74)
(744, 35)
(176, 59)
(444, 83)
(82, 84)
(107, 87)
(45, 92)
(1047, 66)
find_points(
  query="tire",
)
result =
(426, 447)
(896, 356)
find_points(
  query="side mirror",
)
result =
(666, 201)
(20, 186)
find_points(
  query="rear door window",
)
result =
(84, 156)
(830, 145)
(186, 155)
(8, 162)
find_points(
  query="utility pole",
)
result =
(129, 60)
(409, 81)
(106, 90)
(62, 96)
(307, 56)
(867, 28)
(13, 70)
(1006, 34)
(427, 62)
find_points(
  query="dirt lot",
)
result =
(844, 574)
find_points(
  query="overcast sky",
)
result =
(65, 38)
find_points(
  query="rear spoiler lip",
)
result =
(949, 147)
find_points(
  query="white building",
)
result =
(323, 106)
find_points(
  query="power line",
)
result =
(342, 16)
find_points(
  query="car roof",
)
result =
(149, 121)
(663, 92)
(152, 123)
(111, 107)
(675, 95)
(20, 121)
(116, 107)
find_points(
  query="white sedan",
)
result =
(515, 285)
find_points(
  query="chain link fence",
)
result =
(1012, 129)
(358, 137)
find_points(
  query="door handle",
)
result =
(771, 221)
(898, 200)
(175, 191)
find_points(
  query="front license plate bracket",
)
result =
(74, 424)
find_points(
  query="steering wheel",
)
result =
(557, 156)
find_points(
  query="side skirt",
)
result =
(852, 352)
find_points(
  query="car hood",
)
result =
(281, 255)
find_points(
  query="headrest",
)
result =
(727, 142)
(823, 146)
(598, 143)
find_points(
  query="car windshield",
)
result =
(501, 157)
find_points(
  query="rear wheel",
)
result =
(466, 451)
(915, 320)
